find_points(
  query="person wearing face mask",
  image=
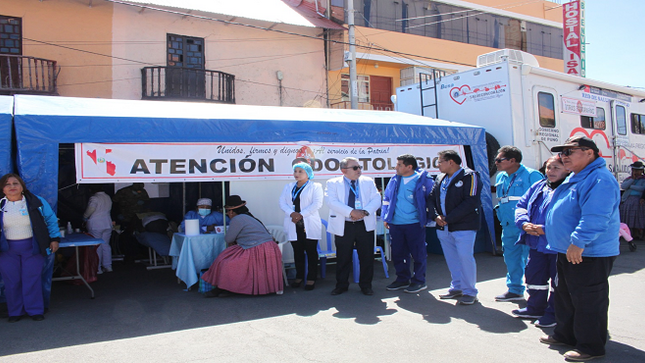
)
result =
(207, 219)
(530, 216)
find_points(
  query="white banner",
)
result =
(178, 162)
(579, 107)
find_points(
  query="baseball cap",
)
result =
(576, 141)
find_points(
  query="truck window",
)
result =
(597, 122)
(621, 120)
(638, 123)
(546, 109)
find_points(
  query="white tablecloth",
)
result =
(191, 254)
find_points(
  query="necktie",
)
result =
(351, 199)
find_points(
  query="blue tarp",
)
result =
(6, 115)
(43, 122)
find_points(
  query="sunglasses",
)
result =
(499, 160)
(355, 167)
(567, 152)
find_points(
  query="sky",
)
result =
(615, 43)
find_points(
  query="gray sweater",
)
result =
(246, 231)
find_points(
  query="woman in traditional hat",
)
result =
(632, 211)
(300, 202)
(252, 264)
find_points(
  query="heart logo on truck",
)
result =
(458, 94)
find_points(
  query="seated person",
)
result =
(207, 219)
(155, 233)
(252, 264)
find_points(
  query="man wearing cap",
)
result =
(582, 225)
(207, 219)
(512, 181)
(353, 201)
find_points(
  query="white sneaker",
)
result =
(100, 271)
(107, 268)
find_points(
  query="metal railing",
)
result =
(364, 106)
(21, 74)
(187, 84)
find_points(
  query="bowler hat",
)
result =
(234, 202)
(638, 165)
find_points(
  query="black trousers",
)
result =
(301, 246)
(355, 236)
(582, 303)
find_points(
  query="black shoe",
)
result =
(38, 317)
(13, 319)
(309, 287)
(338, 291)
(214, 293)
(296, 284)
(367, 291)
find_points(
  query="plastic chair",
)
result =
(326, 253)
(356, 266)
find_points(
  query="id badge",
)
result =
(503, 200)
(358, 204)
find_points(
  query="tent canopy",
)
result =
(43, 122)
(6, 114)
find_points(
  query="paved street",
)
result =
(144, 316)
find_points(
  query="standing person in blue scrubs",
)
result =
(513, 180)
(454, 204)
(405, 215)
(582, 226)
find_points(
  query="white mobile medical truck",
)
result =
(521, 104)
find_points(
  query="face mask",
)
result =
(204, 212)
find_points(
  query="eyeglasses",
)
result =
(355, 167)
(567, 152)
(499, 160)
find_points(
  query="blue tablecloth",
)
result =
(191, 254)
(79, 239)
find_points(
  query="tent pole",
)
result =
(223, 204)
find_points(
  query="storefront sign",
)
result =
(177, 162)
(574, 37)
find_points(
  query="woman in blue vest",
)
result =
(29, 232)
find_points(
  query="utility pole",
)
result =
(353, 85)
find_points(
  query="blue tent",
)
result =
(6, 115)
(42, 123)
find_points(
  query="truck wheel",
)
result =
(492, 146)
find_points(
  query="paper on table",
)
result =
(192, 227)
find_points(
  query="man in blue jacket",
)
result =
(582, 225)
(454, 204)
(405, 215)
(512, 181)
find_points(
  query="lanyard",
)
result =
(355, 191)
(294, 192)
(509, 187)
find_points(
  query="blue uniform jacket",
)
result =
(421, 192)
(463, 201)
(514, 185)
(44, 224)
(214, 218)
(584, 212)
(528, 211)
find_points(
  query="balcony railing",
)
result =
(174, 83)
(364, 106)
(20, 74)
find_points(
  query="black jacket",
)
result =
(463, 201)
(38, 224)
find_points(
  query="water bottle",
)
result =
(70, 230)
